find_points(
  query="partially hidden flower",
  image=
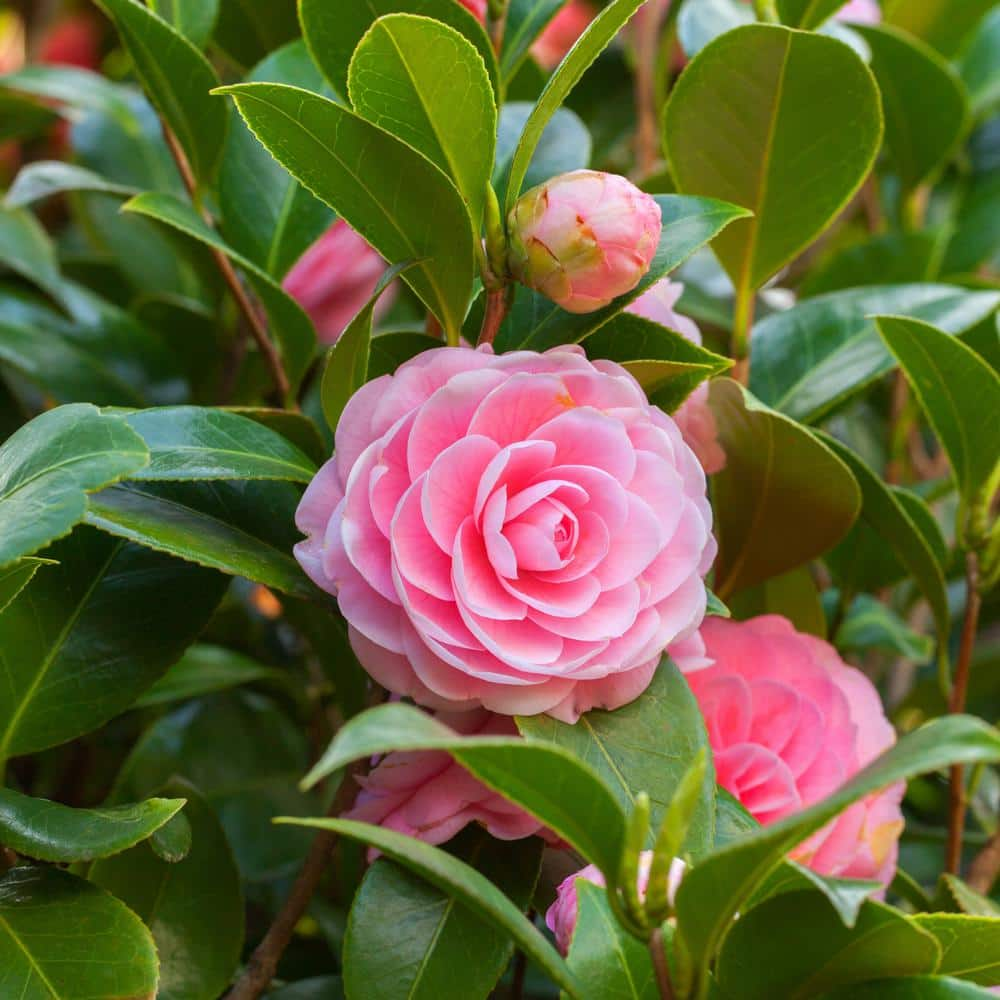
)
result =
(425, 794)
(860, 11)
(789, 722)
(583, 238)
(694, 416)
(561, 916)
(74, 40)
(334, 279)
(521, 532)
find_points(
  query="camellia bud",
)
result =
(583, 238)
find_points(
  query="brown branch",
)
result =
(497, 304)
(985, 869)
(233, 283)
(264, 961)
(659, 956)
(959, 691)
(647, 47)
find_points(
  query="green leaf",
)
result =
(177, 78)
(845, 895)
(48, 831)
(889, 521)
(794, 946)
(701, 21)
(970, 946)
(224, 526)
(80, 88)
(205, 669)
(48, 467)
(388, 351)
(347, 361)
(266, 214)
(926, 107)
(194, 19)
(62, 938)
(784, 123)
(954, 895)
(289, 326)
(812, 358)
(301, 430)
(16, 576)
(248, 784)
(688, 223)
(25, 248)
(89, 635)
(425, 83)
(911, 988)
(457, 879)
(333, 33)
(204, 443)
(247, 32)
(610, 963)
(45, 178)
(406, 939)
(316, 988)
(665, 363)
(526, 20)
(958, 391)
(588, 47)
(870, 625)
(172, 841)
(979, 65)
(358, 170)
(645, 746)
(783, 497)
(715, 890)
(561, 791)
(792, 595)
(806, 14)
(193, 907)
(940, 23)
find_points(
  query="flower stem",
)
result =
(658, 954)
(742, 323)
(497, 306)
(957, 803)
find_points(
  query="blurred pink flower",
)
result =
(561, 916)
(694, 416)
(425, 794)
(789, 723)
(860, 11)
(334, 279)
(583, 238)
(523, 532)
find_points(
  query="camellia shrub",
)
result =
(498, 499)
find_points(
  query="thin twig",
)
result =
(985, 869)
(959, 691)
(496, 23)
(647, 47)
(742, 324)
(264, 961)
(233, 283)
(659, 956)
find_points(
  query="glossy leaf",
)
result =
(177, 78)
(202, 443)
(460, 881)
(783, 497)
(940, 23)
(979, 65)
(813, 357)
(62, 938)
(15, 576)
(48, 467)
(912, 988)
(426, 84)
(266, 214)
(970, 946)
(588, 47)
(194, 19)
(563, 792)
(223, 526)
(795, 946)
(958, 391)
(289, 325)
(846, 896)
(358, 170)
(25, 248)
(48, 831)
(743, 124)
(406, 939)
(871, 625)
(389, 350)
(333, 33)
(715, 890)
(88, 635)
(806, 13)
(526, 20)
(645, 746)
(45, 178)
(926, 107)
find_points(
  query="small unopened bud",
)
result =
(583, 238)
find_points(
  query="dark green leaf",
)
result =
(177, 78)
(172, 841)
(870, 625)
(89, 635)
(358, 170)
(16, 576)
(646, 746)
(25, 248)
(744, 124)
(912, 988)
(526, 19)
(806, 13)
(247, 32)
(193, 907)
(563, 792)
(194, 19)
(407, 940)
(62, 938)
(980, 64)
(792, 595)
(45, 178)
(49, 831)
(317, 988)
(48, 467)
(389, 350)
(941, 23)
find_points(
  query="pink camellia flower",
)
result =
(789, 723)
(583, 238)
(694, 416)
(425, 794)
(860, 11)
(334, 279)
(522, 532)
(561, 916)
